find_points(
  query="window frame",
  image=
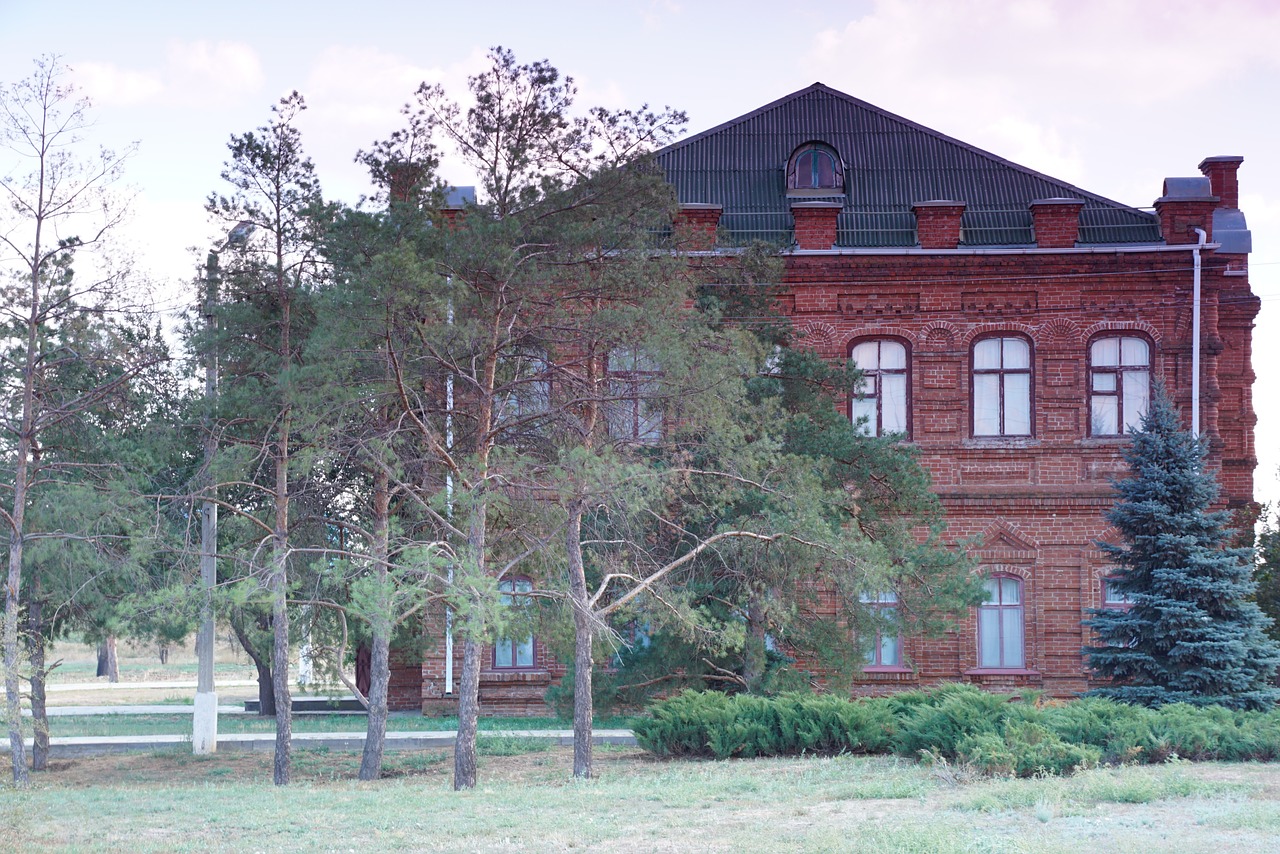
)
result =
(996, 611)
(905, 371)
(1001, 373)
(838, 171)
(633, 399)
(524, 594)
(877, 602)
(1123, 603)
(1118, 371)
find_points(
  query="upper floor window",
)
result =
(1119, 384)
(632, 412)
(515, 651)
(886, 651)
(523, 383)
(1002, 387)
(1000, 624)
(880, 403)
(815, 166)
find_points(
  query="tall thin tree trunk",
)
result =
(279, 580)
(39, 680)
(464, 745)
(754, 659)
(583, 664)
(380, 671)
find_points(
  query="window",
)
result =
(1114, 598)
(1000, 624)
(1119, 384)
(514, 652)
(887, 649)
(524, 390)
(631, 412)
(882, 396)
(1002, 387)
(815, 166)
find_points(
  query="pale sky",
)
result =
(1110, 95)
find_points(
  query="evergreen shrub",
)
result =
(992, 733)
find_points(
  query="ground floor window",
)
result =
(514, 652)
(886, 651)
(1000, 624)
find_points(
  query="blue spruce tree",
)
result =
(1192, 633)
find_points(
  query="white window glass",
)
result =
(1104, 416)
(1137, 396)
(986, 404)
(988, 640)
(1011, 637)
(1000, 624)
(865, 407)
(893, 356)
(1016, 353)
(1106, 352)
(867, 355)
(886, 651)
(893, 403)
(1133, 352)
(514, 652)
(1017, 404)
(986, 354)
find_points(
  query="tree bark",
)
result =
(39, 679)
(464, 745)
(380, 670)
(108, 659)
(583, 664)
(754, 659)
(281, 766)
(266, 686)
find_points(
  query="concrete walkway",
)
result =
(95, 745)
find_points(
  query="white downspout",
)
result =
(448, 509)
(1195, 334)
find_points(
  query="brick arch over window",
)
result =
(985, 330)
(1120, 327)
(1002, 385)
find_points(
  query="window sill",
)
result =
(1105, 441)
(1001, 671)
(515, 675)
(1013, 442)
(886, 668)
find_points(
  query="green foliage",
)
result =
(1193, 634)
(995, 734)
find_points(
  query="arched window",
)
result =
(1000, 624)
(1119, 384)
(883, 396)
(815, 166)
(632, 411)
(513, 653)
(1002, 387)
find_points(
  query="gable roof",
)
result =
(890, 164)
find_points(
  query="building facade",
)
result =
(1009, 325)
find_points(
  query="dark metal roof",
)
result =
(890, 163)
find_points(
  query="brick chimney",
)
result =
(452, 217)
(938, 223)
(815, 223)
(1221, 172)
(1056, 222)
(696, 225)
(1187, 204)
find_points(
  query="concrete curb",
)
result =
(70, 746)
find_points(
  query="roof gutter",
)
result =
(1003, 250)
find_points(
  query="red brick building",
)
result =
(1010, 326)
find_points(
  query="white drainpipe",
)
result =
(1195, 334)
(448, 509)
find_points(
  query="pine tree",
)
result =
(1192, 633)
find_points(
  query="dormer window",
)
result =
(815, 168)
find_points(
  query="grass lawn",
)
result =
(88, 725)
(173, 801)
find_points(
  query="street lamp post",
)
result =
(204, 720)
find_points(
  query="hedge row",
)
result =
(998, 734)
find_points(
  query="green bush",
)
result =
(997, 734)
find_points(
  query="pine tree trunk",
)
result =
(583, 625)
(108, 660)
(754, 659)
(464, 745)
(266, 685)
(39, 681)
(380, 671)
(281, 765)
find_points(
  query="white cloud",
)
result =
(213, 71)
(109, 85)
